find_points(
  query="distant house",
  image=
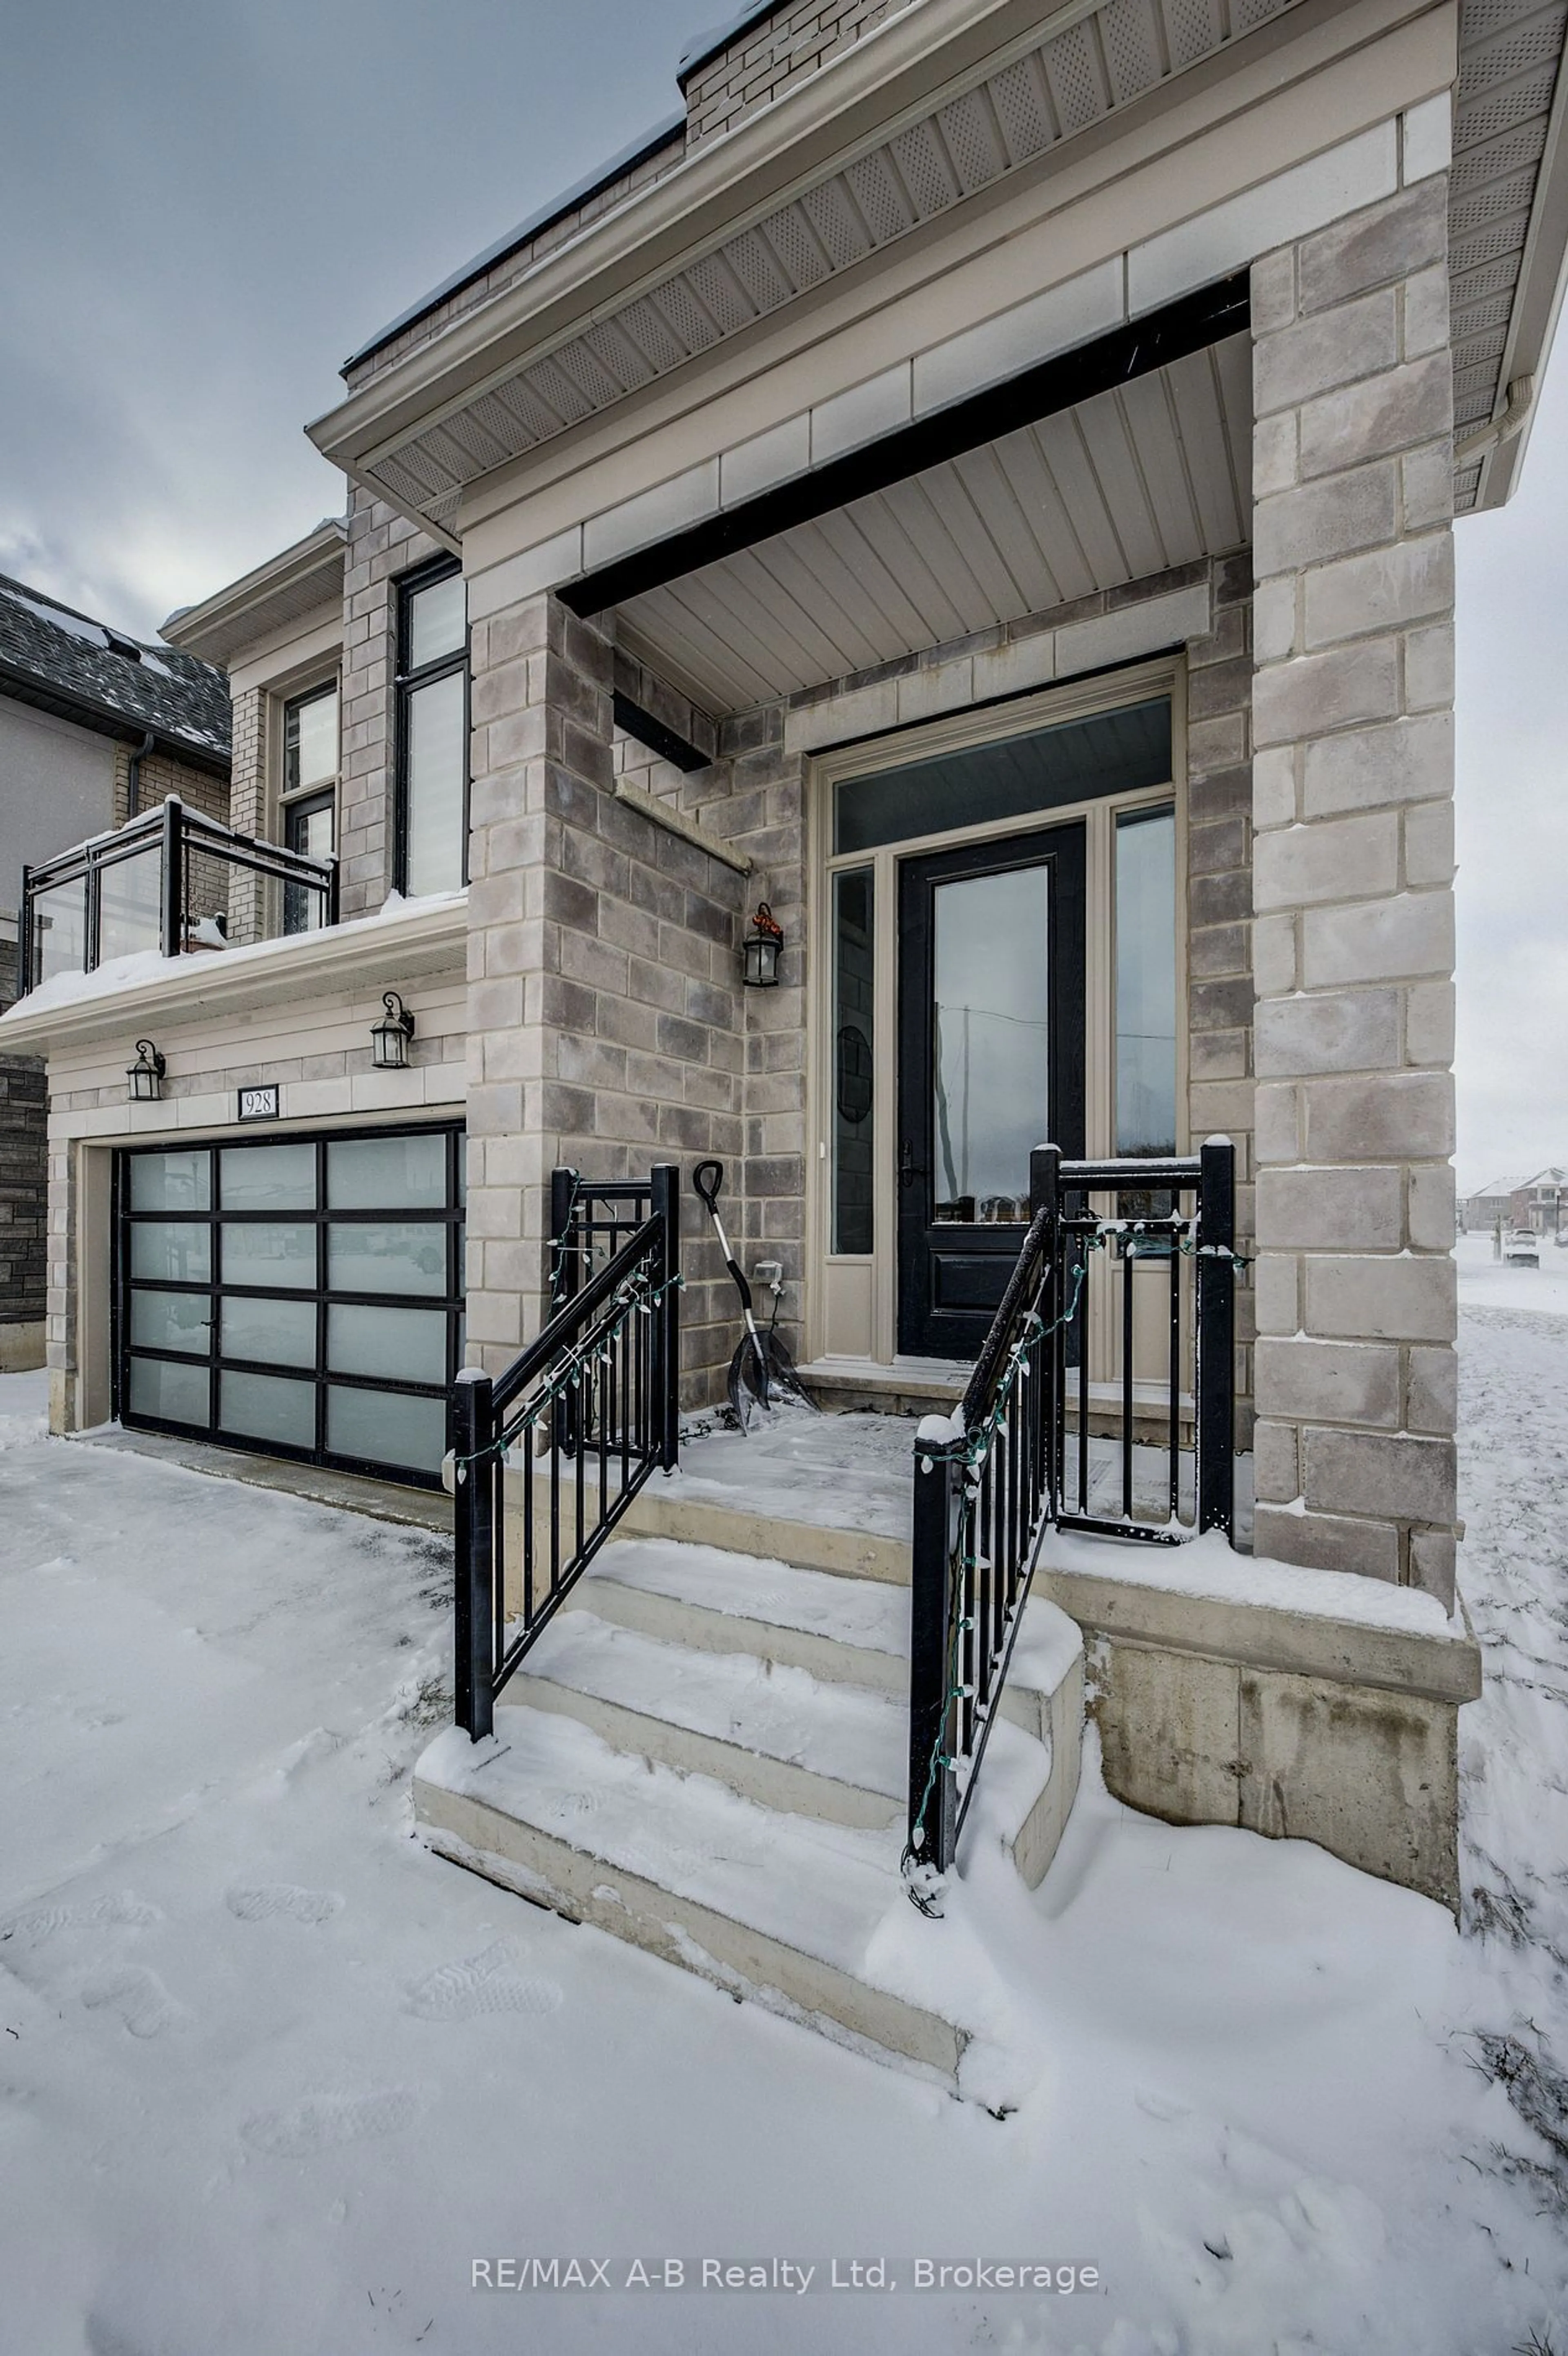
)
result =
(1537, 1202)
(1492, 1201)
(94, 726)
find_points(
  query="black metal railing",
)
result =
(164, 882)
(584, 1416)
(1169, 1435)
(1022, 1452)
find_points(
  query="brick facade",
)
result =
(774, 56)
(1352, 804)
(24, 1174)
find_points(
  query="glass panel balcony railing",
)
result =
(172, 881)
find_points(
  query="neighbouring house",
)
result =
(979, 480)
(1491, 1203)
(94, 725)
(1537, 1202)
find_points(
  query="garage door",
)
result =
(301, 1297)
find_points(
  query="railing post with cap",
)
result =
(664, 1202)
(931, 1604)
(477, 1476)
(1215, 1373)
(173, 912)
(1045, 1194)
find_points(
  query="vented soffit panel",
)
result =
(1106, 56)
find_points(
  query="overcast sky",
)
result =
(208, 203)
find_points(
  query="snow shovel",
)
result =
(762, 1368)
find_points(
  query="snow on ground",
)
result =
(1486, 1282)
(271, 2077)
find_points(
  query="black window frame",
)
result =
(322, 1295)
(407, 681)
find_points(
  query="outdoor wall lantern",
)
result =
(146, 1074)
(390, 1037)
(760, 950)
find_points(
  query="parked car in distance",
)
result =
(1522, 1249)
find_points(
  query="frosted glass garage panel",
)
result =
(387, 1256)
(386, 1429)
(268, 1177)
(405, 1345)
(269, 1407)
(387, 1173)
(171, 1320)
(171, 1251)
(280, 1253)
(276, 1332)
(168, 1392)
(171, 1182)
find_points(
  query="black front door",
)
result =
(991, 1064)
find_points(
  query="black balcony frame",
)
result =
(178, 834)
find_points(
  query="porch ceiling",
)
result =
(1149, 476)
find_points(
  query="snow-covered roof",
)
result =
(64, 662)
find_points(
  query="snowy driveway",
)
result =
(271, 2078)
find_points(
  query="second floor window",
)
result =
(433, 731)
(308, 797)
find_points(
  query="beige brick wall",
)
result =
(769, 58)
(1352, 804)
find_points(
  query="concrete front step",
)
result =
(762, 1902)
(707, 1754)
(773, 1733)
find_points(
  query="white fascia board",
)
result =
(915, 60)
(245, 609)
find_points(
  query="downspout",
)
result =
(133, 776)
(1485, 439)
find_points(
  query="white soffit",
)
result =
(1509, 55)
(1077, 76)
(1151, 475)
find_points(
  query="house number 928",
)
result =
(259, 1104)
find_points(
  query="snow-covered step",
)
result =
(845, 1631)
(840, 1629)
(771, 1731)
(808, 1918)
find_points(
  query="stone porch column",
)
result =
(604, 1006)
(1353, 946)
(540, 714)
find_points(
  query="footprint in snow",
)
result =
(260, 1903)
(115, 1906)
(138, 1996)
(485, 1983)
(323, 2120)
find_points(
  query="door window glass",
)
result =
(853, 1031)
(990, 1041)
(1145, 982)
(1078, 760)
